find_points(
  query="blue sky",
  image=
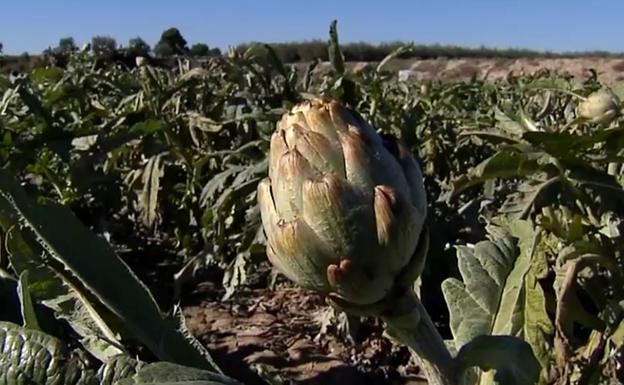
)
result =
(30, 25)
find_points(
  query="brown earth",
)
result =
(285, 332)
(610, 70)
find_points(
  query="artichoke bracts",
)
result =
(601, 107)
(343, 208)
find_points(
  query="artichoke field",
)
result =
(480, 221)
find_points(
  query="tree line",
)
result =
(172, 43)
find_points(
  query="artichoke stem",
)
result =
(411, 325)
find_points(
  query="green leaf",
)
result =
(335, 54)
(510, 357)
(485, 301)
(491, 136)
(617, 337)
(521, 201)
(25, 254)
(50, 74)
(500, 294)
(506, 163)
(148, 199)
(217, 183)
(394, 54)
(537, 327)
(165, 373)
(27, 307)
(118, 368)
(81, 256)
(507, 124)
(31, 357)
(570, 143)
(35, 358)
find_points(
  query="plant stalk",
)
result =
(411, 325)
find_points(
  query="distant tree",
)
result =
(162, 49)
(1, 46)
(66, 45)
(103, 46)
(215, 51)
(59, 55)
(171, 43)
(138, 47)
(200, 49)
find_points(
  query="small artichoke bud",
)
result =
(343, 208)
(601, 107)
(140, 61)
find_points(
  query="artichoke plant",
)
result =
(343, 210)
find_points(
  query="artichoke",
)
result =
(140, 61)
(601, 107)
(343, 208)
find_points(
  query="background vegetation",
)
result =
(172, 43)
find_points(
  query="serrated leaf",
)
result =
(67, 242)
(506, 163)
(217, 183)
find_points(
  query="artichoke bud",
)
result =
(342, 208)
(601, 107)
(140, 61)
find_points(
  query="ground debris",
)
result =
(281, 331)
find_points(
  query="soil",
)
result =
(280, 332)
(610, 71)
